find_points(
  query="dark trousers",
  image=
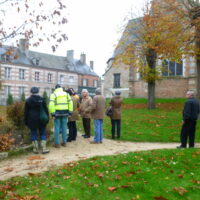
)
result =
(72, 130)
(188, 131)
(37, 134)
(86, 126)
(116, 123)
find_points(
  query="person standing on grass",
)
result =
(72, 119)
(116, 103)
(32, 120)
(60, 107)
(190, 115)
(85, 112)
(98, 110)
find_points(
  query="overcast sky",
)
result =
(94, 27)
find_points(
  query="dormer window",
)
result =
(37, 61)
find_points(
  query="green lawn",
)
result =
(148, 175)
(162, 124)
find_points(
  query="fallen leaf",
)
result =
(66, 177)
(160, 198)
(35, 158)
(180, 190)
(9, 169)
(31, 174)
(112, 189)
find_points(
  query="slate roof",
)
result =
(130, 35)
(47, 61)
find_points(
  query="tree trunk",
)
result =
(151, 57)
(151, 95)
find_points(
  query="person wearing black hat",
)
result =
(32, 119)
(116, 103)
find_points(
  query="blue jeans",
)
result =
(98, 129)
(42, 134)
(60, 125)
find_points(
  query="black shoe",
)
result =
(180, 147)
(69, 140)
(83, 135)
(86, 136)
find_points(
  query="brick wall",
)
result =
(90, 79)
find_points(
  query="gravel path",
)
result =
(80, 149)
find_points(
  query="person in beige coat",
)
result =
(98, 110)
(116, 103)
(74, 116)
(85, 112)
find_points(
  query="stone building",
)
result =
(175, 80)
(21, 69)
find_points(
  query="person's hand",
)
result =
(183, 122)
(53, 114)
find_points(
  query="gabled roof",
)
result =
(44, 60)
(129, 36)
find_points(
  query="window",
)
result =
(171, 68)
(85, 82)
(7, 72)
(61, 79)
(7, 90)
(71, 79)
(22, 74)
(21, 91)
(49, 77)
(37, 76)
(116, 81)
(95, 83)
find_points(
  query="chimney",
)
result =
(70, 55)
(92, 65)
(24, 46)
(83, 58)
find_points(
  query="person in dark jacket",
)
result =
(116, 103)
(190, 115)
(32, 120)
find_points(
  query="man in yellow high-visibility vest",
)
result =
(60, 107)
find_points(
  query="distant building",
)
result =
(176, 79)
(20, 69)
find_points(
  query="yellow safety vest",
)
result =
(60, 100)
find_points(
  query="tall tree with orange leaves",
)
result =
(187, 13)
(156, 39)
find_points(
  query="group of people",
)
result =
(65, 107)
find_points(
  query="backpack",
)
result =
(44, 118)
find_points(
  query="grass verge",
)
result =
(152, 175)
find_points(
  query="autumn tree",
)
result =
(155, 40)
(35, 20)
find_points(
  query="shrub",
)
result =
(10, 100)
(46, 98)
(15, 114)
(5, 142)
(23, 98)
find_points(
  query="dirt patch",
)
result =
(80, 149)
